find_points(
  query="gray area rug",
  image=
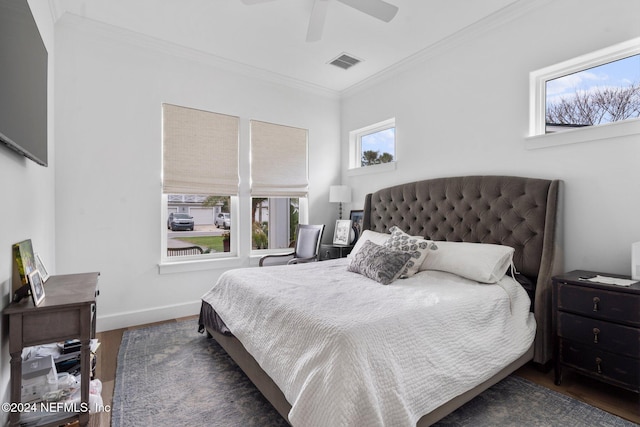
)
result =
(170, 375)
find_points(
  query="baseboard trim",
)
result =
(140, 317)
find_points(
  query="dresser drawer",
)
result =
(599, 303)
(601, 364)
(599, 334)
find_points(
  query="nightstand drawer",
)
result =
(599, 334)
(601, 364)
(334, 251)
(329, 252)
(603, 304)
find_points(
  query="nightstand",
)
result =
(328, 251)
(596, 329)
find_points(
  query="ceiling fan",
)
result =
(377, 8)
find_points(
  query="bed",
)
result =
(333, 371)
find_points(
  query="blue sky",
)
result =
(618, 73)
(383, 141)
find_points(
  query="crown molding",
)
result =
(471, 32)
(153, 44)
(465, 35)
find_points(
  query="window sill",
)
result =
(593, 133)
(185, 266)
(366, 170)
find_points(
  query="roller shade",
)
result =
(200, 152)
(278, 160)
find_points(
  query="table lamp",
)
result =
(339, 194)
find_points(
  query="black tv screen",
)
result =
(23, 82)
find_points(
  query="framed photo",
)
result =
(41, 268)
(342, 232)
(37, 287)
(24, 262)
(356, 218)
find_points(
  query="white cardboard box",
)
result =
(39, 376)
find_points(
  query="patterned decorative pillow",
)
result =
(375, 237)
(417, 247)
(376, 262)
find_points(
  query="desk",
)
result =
(67, 312)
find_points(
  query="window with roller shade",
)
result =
(279, 183)
(200, 182)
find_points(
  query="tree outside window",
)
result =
(598, 95)
(378, 146)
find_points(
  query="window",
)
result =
(201, 197)
(198, 220)
(279, 183)
(373, 145)
(589, 91)
(274, 221)
(603, 94)
(200, 182)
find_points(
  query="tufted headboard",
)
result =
(514, 211)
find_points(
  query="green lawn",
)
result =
(214, 243)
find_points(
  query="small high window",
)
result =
(595, 89)
(373, 145)
(603, 94)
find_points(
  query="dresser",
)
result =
(597, 329)
(67, 312)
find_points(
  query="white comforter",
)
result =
(347, 351)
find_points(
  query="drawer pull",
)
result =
(596, 331)
(596, 301)
(598, 367)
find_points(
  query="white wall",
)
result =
(27, 210)
(462, 109)
(108, 128)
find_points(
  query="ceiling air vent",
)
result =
(344, 61)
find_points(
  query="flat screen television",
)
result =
(23, 82)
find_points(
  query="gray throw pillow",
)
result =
(378, 263)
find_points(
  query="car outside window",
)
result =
(200, 221)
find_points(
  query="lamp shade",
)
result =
(339, 194)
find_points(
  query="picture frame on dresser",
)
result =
(37, 287)
(24, 263)
(44, 273)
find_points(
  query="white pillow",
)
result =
(481, 262)
(373, 236)
(415, 246)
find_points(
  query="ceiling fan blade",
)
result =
(316, 22)
(377, 8)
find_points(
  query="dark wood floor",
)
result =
(612, 399)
